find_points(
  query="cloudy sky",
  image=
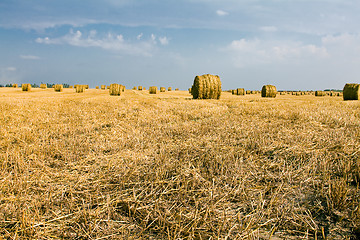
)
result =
(293, 44)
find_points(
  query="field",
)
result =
(164, 166)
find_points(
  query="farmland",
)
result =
(164, 166)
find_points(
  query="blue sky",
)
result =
(293, 44)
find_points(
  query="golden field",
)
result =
(163, 166)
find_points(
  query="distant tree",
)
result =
(1, 85)
(34, 85)
(65, 85)
(8, 85)
(50, 85)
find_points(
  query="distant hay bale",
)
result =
(162, 89)
(351, 91)
(176, 89)
(26, 87)
(248, 92)
(206, 86)
(43, 86)
(134, 88)
(15, 85)
(70, 86)
(80, 88)
(86, 86)
(268, 91)
(115, 89)
(169, 89)
(58, 87)
(96, 87)
(103, 87)
(320, 93)
(240, 91)
(140, 88)
(233, 92)
(282, 93)
(190, 90)
(108, 87)
(153, 90)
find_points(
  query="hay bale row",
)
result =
(206, 86)
(351, 91)
(58, 87)
(152, 90)
(268, 91)
(26, 87)
(116, 89)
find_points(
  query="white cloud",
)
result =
(247, 52)
(164, 40)
(221, 13)
(10, 69)
(268, 28)
(29, 57)
(109, 42)
(139, 36)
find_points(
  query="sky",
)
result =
(292, 44)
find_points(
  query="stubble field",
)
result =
(164, 166)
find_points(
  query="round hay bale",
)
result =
(169, 89)
(96, 87)
(43, 86)
(206, 86)
(162, 89)
(70, 86)
(15, 85)
(134, 88)
(176, 89)
(320, 93)
(86, 86)
(190, 90)
(26, 87)
(351, 91)
(103, 87)
(58, 88)
(80, 88)
(153, 90)
(240, 91)
(268, 91)
(115, 89)
(140, 88)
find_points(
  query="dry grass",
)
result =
(91, 166)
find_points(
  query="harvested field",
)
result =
(165, 166)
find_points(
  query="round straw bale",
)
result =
(15, 85)
(86, 86)
(206, 86)
(103, 87)
(43, 86)
(351, 91)
(268, 91)
(140, 88)
(26, 87)
(134, 88)
(189, 90)
(70, 86)
(115, 89)
(320, 93)
(240, 91)
(176, 89)
(169, 89)
(58, 88)
(96, 87)
(80, 88)
(162, 89)
(152, 90)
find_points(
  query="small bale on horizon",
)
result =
(169, 89)
(153, 90)
(58, 87)
(162, 89)
(103, 87)
(240, 91)
(115, 89)
(43, 86)
(26, 87)
(80, 88)
(140, 88)
(320, 93)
